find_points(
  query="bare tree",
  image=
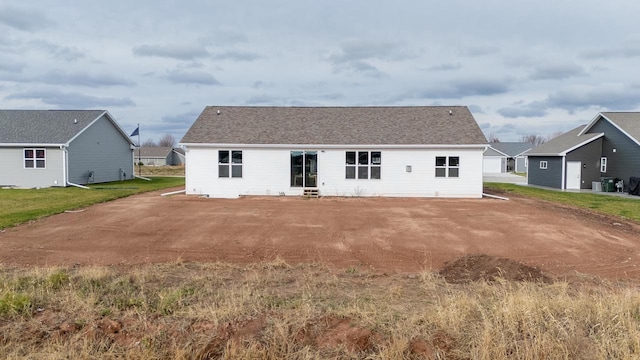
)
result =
(533, 139)
(167, 140)
(149, 143)
(554, 135)
(493, 138)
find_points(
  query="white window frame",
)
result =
(357, 165)
(447, 167)
(230, 164)
(603, 164)
(34, 158)
(543, 164)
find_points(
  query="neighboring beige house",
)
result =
(159, 156)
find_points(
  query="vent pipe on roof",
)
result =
(75, 121)
(450, 112)
(218, 112)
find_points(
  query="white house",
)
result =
(426, 151)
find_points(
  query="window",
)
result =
(447, 166)
(229, 163)
(603, 164)
(543, 164)
(34, 158)
(363, 164)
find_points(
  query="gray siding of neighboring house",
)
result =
(551, 176)
(625, 162)
(520, 164)
(589, 156)
(103, 150)
(176, 158)
(14, 173)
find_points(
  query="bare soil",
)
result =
(387, 235)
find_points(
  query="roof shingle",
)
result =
(43, 126)
(418, 125)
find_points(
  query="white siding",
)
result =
(14, 174)
(492, 164)
(266, 171)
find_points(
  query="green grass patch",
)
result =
(18, 206)
(609, 205)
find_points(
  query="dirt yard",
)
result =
(381, 235)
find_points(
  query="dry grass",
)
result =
(166, 170)
(274, 311)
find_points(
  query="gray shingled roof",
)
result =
(419, 125)
(511, 148)
(563, 143)
(627, 121)
(154, 151)
(43, 126)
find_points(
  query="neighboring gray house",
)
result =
(403, 151)
(159, 156)
(42, 148)
(609, 146)
(503, 157)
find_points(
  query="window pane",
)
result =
(223, 157)
(375, 172)
(376, 158)
(441, 160)
(351, 157)
(28, 163)
(351, 171)
(40, 164)
(454, 161)
(363, 158)
(236, 171)
(453, 172)
(441, 172)
(223, 171)
(40, 154)
(236, 157)
(28, 154)
(296, 168)
(363, 172)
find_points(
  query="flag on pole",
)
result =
(136, 131)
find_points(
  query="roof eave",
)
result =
(337, 146)
(31, 145)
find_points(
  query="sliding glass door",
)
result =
(304, 169)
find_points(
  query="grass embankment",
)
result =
(160, 170)
(277, 311)
(21, 205)
(610, 205)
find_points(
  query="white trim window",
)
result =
(447, 166)
(35, 158)
(363, 164)
(229, 163)
(543, 164)
(603, 164)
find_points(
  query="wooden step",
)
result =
(311, 193)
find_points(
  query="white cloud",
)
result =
(174, 51)
(64, 100)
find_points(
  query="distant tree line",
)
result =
(533, 139)
(167, 140)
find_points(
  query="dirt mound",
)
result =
(489, 268)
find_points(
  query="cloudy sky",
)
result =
(522, 67)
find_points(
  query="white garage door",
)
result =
(492, 164)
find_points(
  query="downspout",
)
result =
(66, 170)
(64, 164)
